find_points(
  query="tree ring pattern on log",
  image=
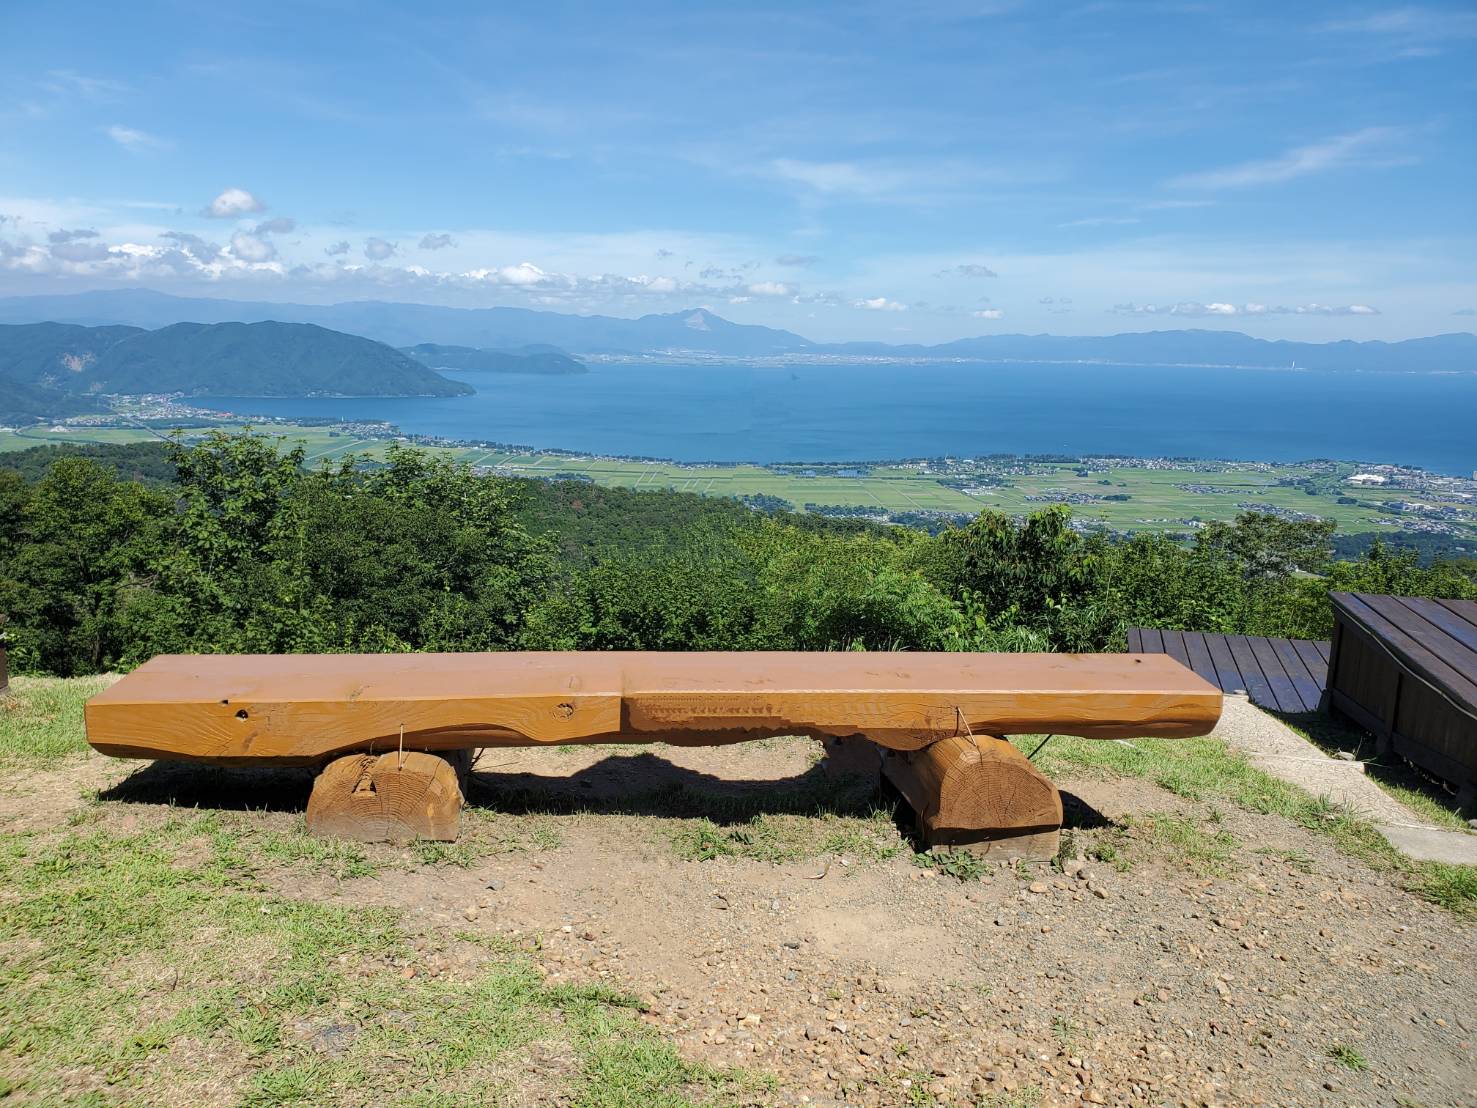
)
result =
(395, 797)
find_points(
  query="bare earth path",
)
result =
(1215, 957)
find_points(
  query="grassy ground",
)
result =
(144, 961)
(1206, 770)
(1156, 499)
(1423, 795)
(151, 967)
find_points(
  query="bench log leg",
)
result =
(979, 794)
(395, 797)
(851, 756)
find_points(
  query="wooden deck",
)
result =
(1406, 668)
(1285, 675)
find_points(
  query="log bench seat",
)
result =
(387, 729)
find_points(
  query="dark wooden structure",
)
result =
(1282, 675)
(389, 731)
(1405, 668)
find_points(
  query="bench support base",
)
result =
(850, 757)
(978, 793)
(395, 797)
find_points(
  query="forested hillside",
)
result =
(234, 545)
(239, 359)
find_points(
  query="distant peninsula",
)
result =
(536, 359)
(57, 368)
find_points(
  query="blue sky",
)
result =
(907, 172)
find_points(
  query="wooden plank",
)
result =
(1199, 653)
(1426, 647)
(1466, 609)
(1309, 691)
(1443, 617)
(1228, 675)
(302, 709)
(1315, 659)
(1135, 640)
(1323, 648)
(1257, 686)
(1283, 689)
(1174, 646)
(1153, 641)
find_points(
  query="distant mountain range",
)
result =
(56, 368)
(520, 330)
(402, 325)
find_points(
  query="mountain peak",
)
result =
(698, 320)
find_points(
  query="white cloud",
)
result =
(968, 269)
(233, 203)
(1195, 308)
(193, 245)
(279, 226)
(436, 242)
(770, 288)
(131, 138)
(80, 251)
(879, 304)
(377, 250)
(338, 248)
(1356, 148)
(988, 313)
(252, 248)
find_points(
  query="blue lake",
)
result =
(742, 413)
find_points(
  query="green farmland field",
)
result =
(1156, 496)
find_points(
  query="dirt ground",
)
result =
(1276, 972)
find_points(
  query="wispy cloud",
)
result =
(1101, 221)
(131, 138)
(1411, 22)
(436, 242)
(988, 313)
(967, 269)
(1356, 148)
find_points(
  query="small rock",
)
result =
(1073, 866)
(1038, 886)
(470, 911)
(813, 1032)
(868, 1047)
(495, 884)
(1098, 891)
(408, 972)
(1344, 755)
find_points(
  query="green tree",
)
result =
(84, 542)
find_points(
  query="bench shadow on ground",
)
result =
(643, 784)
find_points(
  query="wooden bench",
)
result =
(390, 731)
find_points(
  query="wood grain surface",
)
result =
(304, 709)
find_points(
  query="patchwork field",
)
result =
(1128, 495)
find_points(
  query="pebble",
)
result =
(1038, 886)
